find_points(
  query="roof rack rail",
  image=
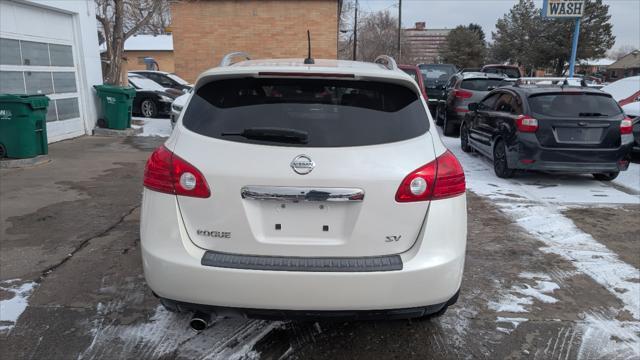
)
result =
(387, 61)
(564, 81)
(227, 59)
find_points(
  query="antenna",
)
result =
(309, 59)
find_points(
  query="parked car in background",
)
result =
(435, 78)
(152, 100)
(262, 193)
(466, 70)
(549, 128)
(624, 91)
(511, 71)
(166, 80)
(461, 90)
(177, 106)
(416, 74)
(632, 110)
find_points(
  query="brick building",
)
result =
(628, 65)
(157, 47)
(425, 44)
(205, 30)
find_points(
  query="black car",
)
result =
(462, 90)
(633, 112)
(165, 79)
(152, 100)
(435, 78)
(549, 128)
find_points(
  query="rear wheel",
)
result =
(464, 138)
(500, 165)
(606, 176)
(148, 108)
(439, 115)
(448, 128)
(3, 151)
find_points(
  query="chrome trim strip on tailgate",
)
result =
(309, 264)
(292, 193)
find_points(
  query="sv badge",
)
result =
(393, 238)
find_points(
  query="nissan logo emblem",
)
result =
(302, 164)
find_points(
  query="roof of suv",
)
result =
(545, 88)
(340, 68)
(481, 75)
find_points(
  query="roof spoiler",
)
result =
(563, 81)
(386, 61)
(228, 58)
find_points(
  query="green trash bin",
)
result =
(117, 102)
(23, 126)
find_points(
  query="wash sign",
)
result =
(563, 8)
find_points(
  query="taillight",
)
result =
(168, 173)
(461, 94)
(526, 124)
(626, 126)
(440, 179)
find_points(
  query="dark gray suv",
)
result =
(461, 90)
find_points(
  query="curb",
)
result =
(116, 133)
(24, 163)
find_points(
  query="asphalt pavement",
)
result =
(551, 273)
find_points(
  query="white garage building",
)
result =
(51, 47)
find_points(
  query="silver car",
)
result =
(461, 90)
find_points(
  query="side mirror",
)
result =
(473, 107)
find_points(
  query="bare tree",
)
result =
(120, 19)
(377, 35)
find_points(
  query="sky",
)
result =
(625, 14)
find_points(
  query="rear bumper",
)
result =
(529, 155)
(430, 276)
(302, 315)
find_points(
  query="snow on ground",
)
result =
(630, 178)
(604, 338)
(167, 335)
(154, 127)
(13, 307)
(533, 201)
(520, 295)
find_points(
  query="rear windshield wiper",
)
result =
(586, 114)
(284, 135)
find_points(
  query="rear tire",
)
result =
(500, 165)
(3, 151)
(464, 138)
(606, 176)
(438, 115)
(102, 123)
(448, 128)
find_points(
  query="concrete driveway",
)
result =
(551, 272)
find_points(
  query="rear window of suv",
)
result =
(574, 105)
(482, 84)
(333, 113)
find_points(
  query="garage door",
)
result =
(37, 56)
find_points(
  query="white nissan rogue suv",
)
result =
(297, 190)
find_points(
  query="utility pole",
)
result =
(399, 29)
(355, 32)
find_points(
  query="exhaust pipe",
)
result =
(200, 321)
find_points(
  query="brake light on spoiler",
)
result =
(305, 74)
